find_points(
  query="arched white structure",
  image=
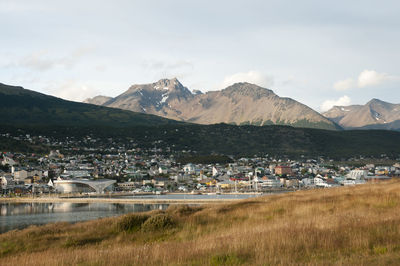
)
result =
(82, 185)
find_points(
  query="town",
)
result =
(93, 166)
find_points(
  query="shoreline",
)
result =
(115, 200)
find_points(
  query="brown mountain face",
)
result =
(374, 114)
(241, 103)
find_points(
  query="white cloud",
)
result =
(72, 90)
(367, 78)
(254, 77)
(346, 84)
(342, 101)
(42, 61)
(164, 65)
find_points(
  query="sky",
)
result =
(321, 53)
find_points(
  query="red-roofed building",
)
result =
(283, 170)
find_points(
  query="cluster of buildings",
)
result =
(142, 171)
(93, 165)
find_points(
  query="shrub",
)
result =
(158, 222)
(131, 222)
(183, 210)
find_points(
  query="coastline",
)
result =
(116, 200)
(136, 198)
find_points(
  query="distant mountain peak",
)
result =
(167, 84)
(98, 100)
(247, 89)
(240, 103)
(376, 101)
(374, 114)
(161, 85)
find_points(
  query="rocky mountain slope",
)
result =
(375, 114)
(241, 103)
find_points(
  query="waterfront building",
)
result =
(82, 185)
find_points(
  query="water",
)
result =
(22, 215)
(192, 196)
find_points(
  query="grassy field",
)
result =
(350, 225)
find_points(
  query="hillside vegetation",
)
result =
(352, 225)
(236, 140)
(23, 107)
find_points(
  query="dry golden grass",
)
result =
(352, 225)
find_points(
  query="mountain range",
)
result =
(239, 104)
(19, 106)
(28, 112)
(375, 114)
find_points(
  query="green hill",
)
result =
(28, 112)
(239, 141)
(19, 106)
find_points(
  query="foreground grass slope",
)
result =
(352, 225)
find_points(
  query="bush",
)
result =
(158, 222)
(131, 222)
(183, 210)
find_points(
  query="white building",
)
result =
(8, 160)
(76, 173)
(7, 182)
(319, 182)
(82, 185)
(357, 174)
(271, 183)
(189, 168)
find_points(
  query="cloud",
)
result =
(163, 65)
(42, 61)
(367, 78)
(252, 76)
(346, 84)
(72, 90)
(342, 101)
(160, 69)
(21, 6)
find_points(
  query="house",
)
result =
(226, 184)
(9, 161)
(189, 168)
(162, 182)
(7, 182)
(74, 173)
(127, 186)
(162, 170)
(357, 174)
(208, 182)
(20, 175)
(283, 170)
(319, 182)
(270, 182)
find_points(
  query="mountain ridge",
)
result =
(375, 114)
(20, 106)
(240, 103)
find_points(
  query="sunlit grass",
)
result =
(352, 225)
